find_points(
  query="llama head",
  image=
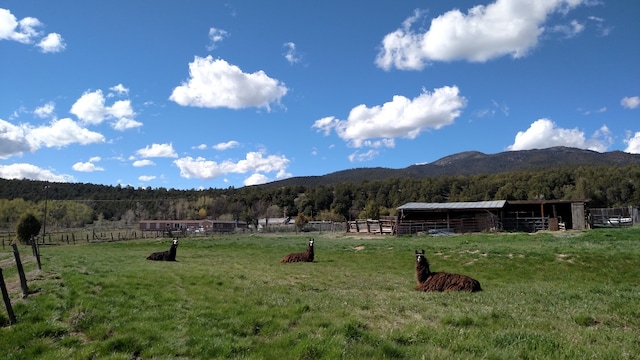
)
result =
(311, 242)
(175, 241)
(421, 259)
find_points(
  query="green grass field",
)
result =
(552, 296)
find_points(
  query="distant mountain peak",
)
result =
(475, 163)
(467, 155)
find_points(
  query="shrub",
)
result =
(28, 226)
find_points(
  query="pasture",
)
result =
(559, 296)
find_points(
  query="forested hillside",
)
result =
(73, 205)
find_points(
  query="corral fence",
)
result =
(384, 225)
(311, 226)
(73, 236)
(15, 267)
(613, 217)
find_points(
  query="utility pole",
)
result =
(44, 228)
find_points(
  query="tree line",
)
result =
(75, 205)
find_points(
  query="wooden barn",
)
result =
(496, 215)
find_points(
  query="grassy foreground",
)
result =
(558, 296)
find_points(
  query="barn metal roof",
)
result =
(463, 205)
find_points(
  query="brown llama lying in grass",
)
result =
(169, 255)
(306, 256)
(441, 281)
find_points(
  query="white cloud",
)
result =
(141, 163)
(226, 145)
(544, 133)
(45, 111)
(157, 150)
(52, 43)
(200, 147)
(401, 117)
(633, 144)
(360, 157)
(216, 36)
(291, 55)
(90, 108)
(28, 171)
(216, 83)
(255, 179)
(630, 102)
(603, 30)
(255, 162)
(504, 27)
(86, 167)
(15, 140)
(26, 31)
(569, 30)
(146, 178)
(61, 133)
(120, 89)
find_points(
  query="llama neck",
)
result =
(422, 272)
(310, 251)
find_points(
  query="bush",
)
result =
(28, 226)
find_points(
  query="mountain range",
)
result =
(474, 163)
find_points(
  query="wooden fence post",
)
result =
(23, 279)
(36, 252)
(7, 301)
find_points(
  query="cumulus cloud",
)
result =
(157, 150)
(45, 111)
(226, 145)
(15, 140)
(61, 133)
(91, 109)
(257, 163)
(28, 171)
(633, 144)
(144, 162)
(377, 126)
(216, 36)
(88, 166)
(630, 102)
(26, 31)
(52, 43)
(145, 178)
(504, 27)
(544, 133)
(255, 179)
(216, 83)
(291, 55)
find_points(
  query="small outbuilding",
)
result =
(495, 215)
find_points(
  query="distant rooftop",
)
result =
(463, 205)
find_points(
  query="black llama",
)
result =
(306, 256)
(169, 255)
(441, 281)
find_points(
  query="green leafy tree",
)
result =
(28, 226)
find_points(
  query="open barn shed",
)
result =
(495, 215)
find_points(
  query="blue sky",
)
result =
(199, 94)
